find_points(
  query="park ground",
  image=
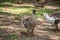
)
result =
(11, 26)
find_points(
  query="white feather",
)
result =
(49, 19)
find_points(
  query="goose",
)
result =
(49, 19)
(52, 20)
(30, 22)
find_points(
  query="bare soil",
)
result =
(9, 24)
(44, 31)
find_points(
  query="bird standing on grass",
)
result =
(52, 20)
(30, 22)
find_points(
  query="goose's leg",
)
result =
(29, 30)
(32, 31)
(56, 26)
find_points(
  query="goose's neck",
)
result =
(34, 12)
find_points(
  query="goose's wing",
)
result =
(26, 22)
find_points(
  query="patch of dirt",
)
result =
(51, 7)
(2, 38)
(43, 31)
(25, 4)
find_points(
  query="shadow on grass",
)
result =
(5, 5)
(10, 19)
(39, 37)
(5, 13)
(13, 36)
(7, 35)
(10, 5)
(2, 1)
(49, 11)
(49, 28)
(16, 6)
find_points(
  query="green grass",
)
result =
(12, 37)
(4, 13)
(46, 11)
(20, 10)
(8, 4)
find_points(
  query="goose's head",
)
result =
(34, 12)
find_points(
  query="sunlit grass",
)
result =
(20, 10)
(44, 10)
(15, 9)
